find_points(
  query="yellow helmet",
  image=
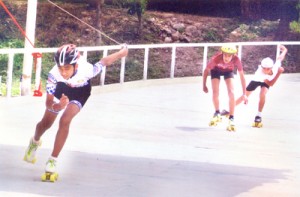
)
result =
(231, 49)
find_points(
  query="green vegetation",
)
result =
(295, 25)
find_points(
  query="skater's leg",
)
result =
(230, 91)
(215, 88)
(46, 122)
(64, 124)
(262, 98)
(35, 141)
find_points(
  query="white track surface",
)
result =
(151, 138)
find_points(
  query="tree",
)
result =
(273, 10)
(135, 7)
(251, 9)
(287, 14)
(99, 6)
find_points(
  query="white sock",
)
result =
(259, 114)
(35, 140)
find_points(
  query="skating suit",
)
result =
(78, 87)
(260, 76)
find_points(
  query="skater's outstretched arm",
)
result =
(281, 57)
(273, 81)
(283, 51)
(110, 59)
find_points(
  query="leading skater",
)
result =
(68, 89)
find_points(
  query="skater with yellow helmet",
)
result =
(223, 64)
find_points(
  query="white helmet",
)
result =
(67, 54)
(267, 63)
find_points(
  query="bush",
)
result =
(295, 26)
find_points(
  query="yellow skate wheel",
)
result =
(259, 125)
(53, 177)
(26, 159)
(213, 123)
(44, 177)
(230, 128)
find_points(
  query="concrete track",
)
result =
(151, 138)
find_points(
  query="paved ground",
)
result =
(151, 138)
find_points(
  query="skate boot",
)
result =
(50, 171)
(31, 150)
(225, 113)
(215, 119)
(231, 125)
(257, 122)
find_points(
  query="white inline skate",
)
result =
(50, 171)
(31, 151)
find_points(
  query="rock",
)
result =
(198, 25)
(167, 15)
(235, 33)
(150, 20)
(191, 31)
(179, 27)
(168, 40)
(185, 39)
(176, 36)
(167, 30)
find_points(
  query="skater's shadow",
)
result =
(194, 129)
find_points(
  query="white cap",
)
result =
(267, 63)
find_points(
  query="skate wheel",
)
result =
(44, 177)
(230, 128)
(52, 177)
(257, 124)
(213, 123)
(33, 161)
(29, 161)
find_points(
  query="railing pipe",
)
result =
(11, 52)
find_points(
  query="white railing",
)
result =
(105, 49)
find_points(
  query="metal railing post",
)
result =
(9, 74)
(173, 62)
(103, 72)
(122, 72)
(146, 61)
(204, 58)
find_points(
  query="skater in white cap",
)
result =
(265, 76)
